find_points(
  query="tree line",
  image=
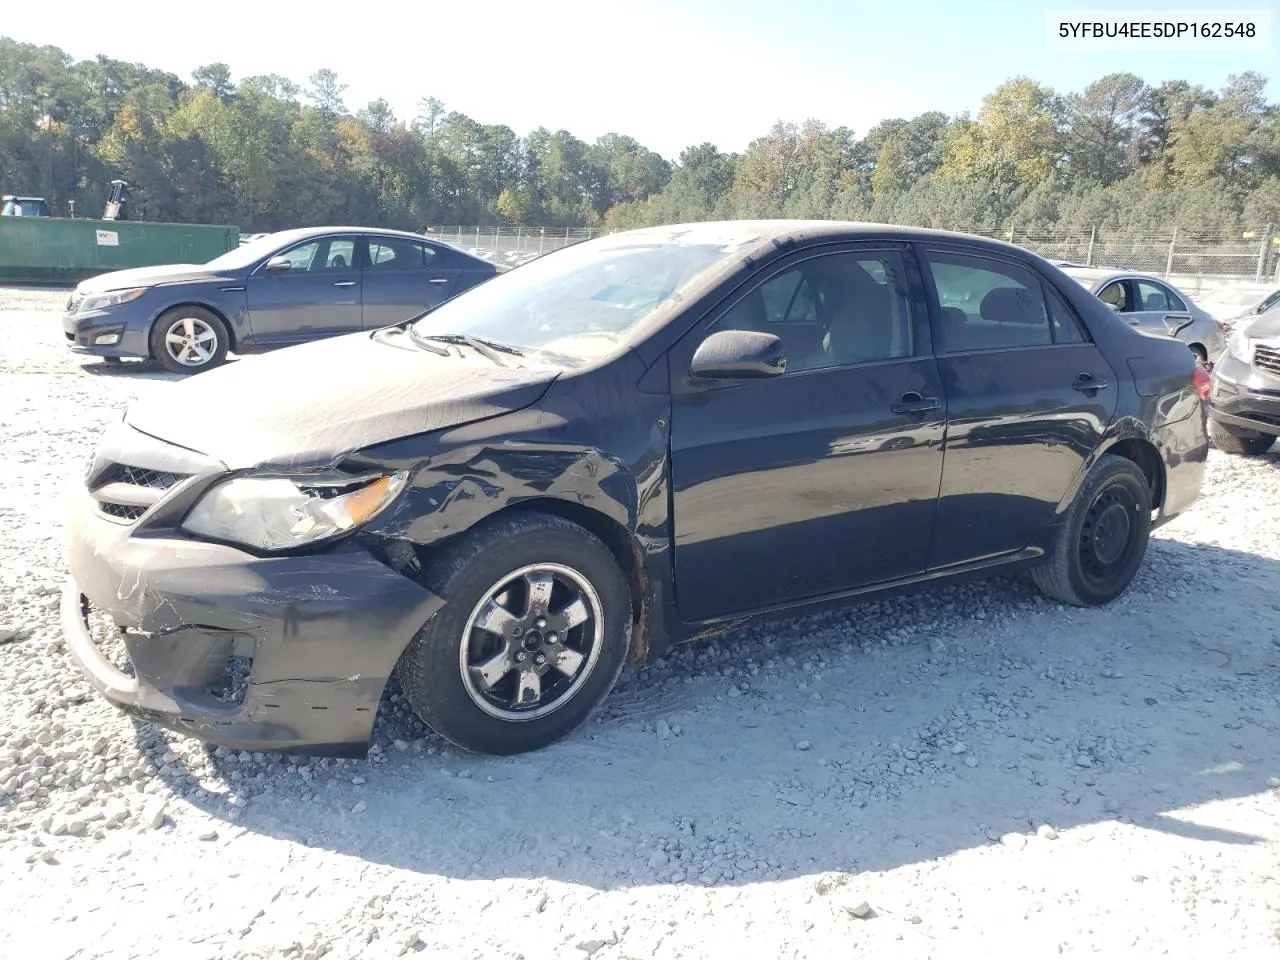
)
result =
(265, 153)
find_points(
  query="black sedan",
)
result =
(616, 447)
(276, 290)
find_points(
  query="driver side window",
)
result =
(833, 310)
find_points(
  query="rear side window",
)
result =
(387, 253)
(1156, 297)
(988, 304)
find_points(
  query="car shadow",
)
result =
(885, 733)
(136, 369)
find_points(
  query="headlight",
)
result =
(276, 513)
(112, 298)
(1239, 344)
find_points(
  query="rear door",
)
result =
(824, 478)
(1156, 307)
(319, 296)
(403, 277)
(1028, 398)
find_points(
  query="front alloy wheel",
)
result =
(532, 636)
(189, 339)
(191, 342)
(531, 641)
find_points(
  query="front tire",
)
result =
(1103, 537)
(189, 340)
(1246, 443)
(532, 637)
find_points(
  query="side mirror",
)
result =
(278, 265)
(738, 355)
(1115, 307)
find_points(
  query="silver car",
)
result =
(1151, 303)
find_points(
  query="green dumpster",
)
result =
(58, 250)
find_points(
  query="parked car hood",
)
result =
(147, 277)
(1264, 326)
(309, 405)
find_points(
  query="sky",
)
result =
(671, 73)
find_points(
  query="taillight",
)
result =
(1201, 380)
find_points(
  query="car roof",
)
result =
(1099, 274)
(301, 233)
(784, 232)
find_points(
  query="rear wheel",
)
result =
(189, 339)
(1103, 538)
(532, 638)
(1248, 443)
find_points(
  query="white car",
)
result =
(1239, 301)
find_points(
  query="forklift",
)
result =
(117, 202)
(116, 208)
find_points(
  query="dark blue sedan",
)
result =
(277, 290)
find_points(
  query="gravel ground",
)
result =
(968, 768)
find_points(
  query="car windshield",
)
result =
(581, 302)
(247, 254)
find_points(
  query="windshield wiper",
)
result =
(490, 349)
(425, 342)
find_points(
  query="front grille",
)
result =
(74, 303)
(125, 492)
(1267, 358)
(121, 511)
(139, 477)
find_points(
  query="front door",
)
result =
(319, 296)
(403, 277)
(822, 479)
(1028, 399)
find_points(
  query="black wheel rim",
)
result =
(1108, 536)
(531, 642)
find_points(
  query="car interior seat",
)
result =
(858, 313)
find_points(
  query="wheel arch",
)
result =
(1130, 441)
(621, 543)
(203, 305)
(1144, 454)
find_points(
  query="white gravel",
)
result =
(969, 769)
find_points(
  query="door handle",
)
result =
(345, 283)
(438, 280)
(1088, 383)
(913, 402)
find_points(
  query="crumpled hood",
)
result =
(1265, 326)
(148, 277)
(309, 405)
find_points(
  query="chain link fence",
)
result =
(511, 245)
(1197, 264)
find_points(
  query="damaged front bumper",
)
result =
(286, 653)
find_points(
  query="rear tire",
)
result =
(1247, 443)
(189, 340)
(1103, 537)
(532, 637)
